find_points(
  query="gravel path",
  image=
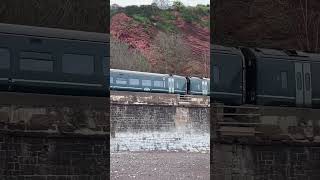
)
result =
(160, 165)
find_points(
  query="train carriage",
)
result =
(199, 86)
(227, 75)
(53, 61)
(150, 82)
(283, 77)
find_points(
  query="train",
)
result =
(53, 61)
(266, 77)
(69, 62)
(125, 80)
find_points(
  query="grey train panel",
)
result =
(44, 32)
(275, 82)
(226, 75)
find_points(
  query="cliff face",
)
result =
(286, 24)
(140, 33)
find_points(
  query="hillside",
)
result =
(175, 40)
(285, 24)
(81, 15)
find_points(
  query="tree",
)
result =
(121, 57)
(162, 4)
(178, 5)
(174, 53)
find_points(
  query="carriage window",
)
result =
(35, 61)
(146, 83)
(105, 65)
(121, 81)
(158, 84)
(77, 64)
(299, 80)
(308, 81)
(134, 82)
(216, 74)
(111, 80)
(4, 58)
(36, 65)
(284, 80)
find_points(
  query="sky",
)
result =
(148, 2)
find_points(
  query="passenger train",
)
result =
(268, 77)
(56, 61)
(53, 61)
(124, 80)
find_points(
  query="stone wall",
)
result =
(265, 143)
(265, 162)
(50, 137)
(155, 121)
(43, 156)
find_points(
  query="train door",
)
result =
(299, 84)
(303, 84)
(5, 72)
(307, 84)
(204, 87)
(171, 84)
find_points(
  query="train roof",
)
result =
(142, 73)
(290, 55)
(225, 49)
(53, 33)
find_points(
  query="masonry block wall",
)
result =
(136, 112)
(40, 156)
(261, 162)
(283, 143)
(45, 137)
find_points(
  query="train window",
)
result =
(216, 74)
(307, 82)
(77, 64)
(158, 84)
(146, 82)
(121, 81)
(36, 61)
(4, 58)
(134, 82)
(105, 65)
(299, 80)
(284, 80)
(36, 65)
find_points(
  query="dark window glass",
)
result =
(4, 58)
(299, 81)
(216, 74)
(36, 65)
(36, 61)
(308, 81)
(158, 84)
(105, 65)
(77, 64)
(284, 80)
(146, 83)
(121, 81)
